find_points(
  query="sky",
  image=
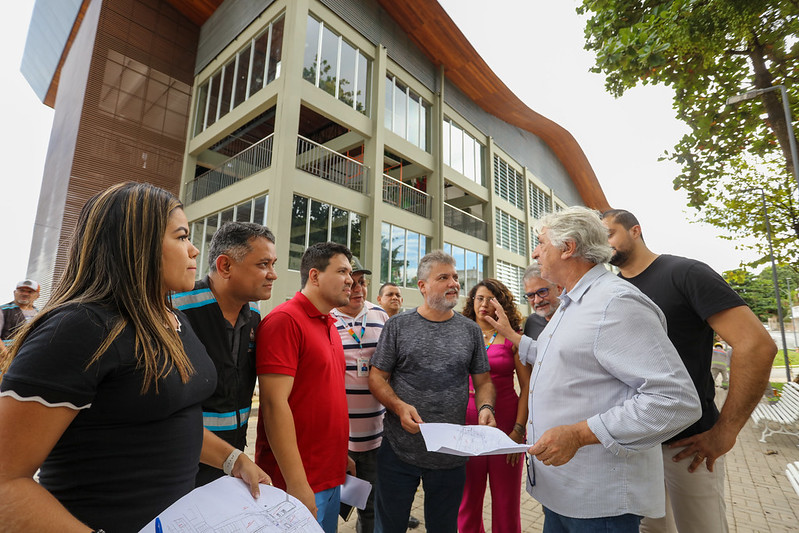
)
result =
(534, 46)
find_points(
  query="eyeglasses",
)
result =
(541, 293)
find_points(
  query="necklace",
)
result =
(487, 333)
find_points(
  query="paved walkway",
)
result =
(758, 495)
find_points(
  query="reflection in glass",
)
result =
(244, 211)
(214, 99)
(400, 100)
(311, 49)
(227, 88)
(364, 84)
(468, 157)
(275, 50)
(259, 216)
(385, 252)
(460, 266)
(227, 216)
(414, 110)
(211, 225)
(389, 114)
(299, 218)
(456, 148)
(471, 271)
(318, 216)
(445, 142)
(329, 61)
(355, 234)
(398, 255)
(259, 63)
(242, 71)
(339, 225)
(346, 79)
(412, 258)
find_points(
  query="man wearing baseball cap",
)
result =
(16, 313)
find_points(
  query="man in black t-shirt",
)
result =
(697, 301)
(543, 296)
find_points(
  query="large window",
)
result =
(313, 221)
(511, 276)
(253, 67)
(508, 183)
(510, 233)
(336, 66)
(463, 152)
(470, 266)
(252, 210)
(401, 250)
(540, 202)
(407, 113)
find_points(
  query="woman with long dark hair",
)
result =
(502, 472)
(104, 385)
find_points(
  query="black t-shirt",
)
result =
(126, 456)
(534, 325)
(689, 292)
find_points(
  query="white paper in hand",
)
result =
(227, 505)
(469, 440)
(355, 492)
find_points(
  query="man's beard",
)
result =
(441, 303)
(619, 258)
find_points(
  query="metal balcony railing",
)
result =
(465, 222)
(405, 197)
(330, 165)
(242, 165)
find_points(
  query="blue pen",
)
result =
(158, 528)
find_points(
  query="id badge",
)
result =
(363, 367)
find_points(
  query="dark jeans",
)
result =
(556, 523)
(396, 487)
(366, 469)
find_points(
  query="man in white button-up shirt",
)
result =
(607, 386)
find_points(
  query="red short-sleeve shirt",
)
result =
(295, 339)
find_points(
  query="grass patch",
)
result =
(793, 357)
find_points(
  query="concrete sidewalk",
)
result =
(758, 496)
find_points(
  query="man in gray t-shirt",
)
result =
(420, 373)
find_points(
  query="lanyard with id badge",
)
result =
(363, 361)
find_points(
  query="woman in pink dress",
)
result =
(503, 472)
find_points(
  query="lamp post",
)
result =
(774, 279)
(788, 120)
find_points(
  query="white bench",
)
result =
(793, 475)
(784, 414)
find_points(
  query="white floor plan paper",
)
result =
(469, 440)
(226, 505)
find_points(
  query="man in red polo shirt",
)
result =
(303, 425)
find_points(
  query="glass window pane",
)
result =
(199, 117)
(259, 216)
(346, 79)
(227, 215)
(299, 217)
(211, 226)
(258, 63)
(471, 270)
(364, 84)
(445, 142)
(479, 162)
(241, 78)
(460, 266)
(339, 226)
(400, 101)
(276, 51)
(329, 62)
(422, 246)
(214, 99)
(423, 116)
(385, 252)
(480, 266)
(227, 88)
(447, 248)
(311, 47)
(398, 255)
(456, 148)
(412, 255)
(389, 114)
(414, 109)
(244, 211)
(355, 234)
(468, 157)
(319, 219)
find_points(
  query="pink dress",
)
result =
(505, 479)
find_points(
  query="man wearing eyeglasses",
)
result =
(543, 296)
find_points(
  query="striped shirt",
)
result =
(604, 357)
(366, 413)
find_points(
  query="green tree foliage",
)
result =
(708, 51)
(757, 290)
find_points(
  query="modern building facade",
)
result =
(367, 122)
